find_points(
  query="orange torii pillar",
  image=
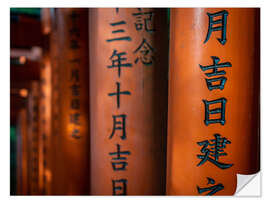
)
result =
(213, 113)
(33, 138)
(22, 153)
(128, 92)
(45, 132)
(70, 107)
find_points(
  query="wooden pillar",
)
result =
(45, 107)
(55, 108)
(33, 139)
(22, 153)
(128, 87)
(45, 125)
(70, 102)
(213, 122)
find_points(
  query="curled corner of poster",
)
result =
(248, 185)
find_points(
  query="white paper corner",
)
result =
(248, 185)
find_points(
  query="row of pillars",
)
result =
(120, 108)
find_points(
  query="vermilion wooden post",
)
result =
(213, 123)
(71, 97)
(45, 146)
(22, 153)
(33, 139)
(45, 125)
(55, 108)
(128, 88)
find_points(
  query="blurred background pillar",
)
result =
(45, 106)
(33, 138)
(22, 153)
(70, 107)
